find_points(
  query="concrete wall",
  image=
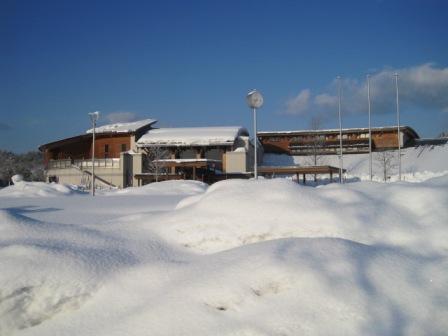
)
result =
(241, 160)
(236, 162)
(137, 167)
(79, 176)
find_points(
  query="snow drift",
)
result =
(238, 212)
(36, 189)
(265, 257)
(163, 188)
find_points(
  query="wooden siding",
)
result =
(114, 146)
(353, 142)
(80, 148)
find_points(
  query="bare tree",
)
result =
(151, 161)
(386, 160)
(316, 144)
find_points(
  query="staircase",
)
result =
(86, 178)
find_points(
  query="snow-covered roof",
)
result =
(128, 127)
(344, 130)
(192, 136)
(187, 161)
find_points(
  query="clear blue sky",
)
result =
(190, 63)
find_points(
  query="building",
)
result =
(116, 155)
(198, 152)
(124, 154)
(354, 140)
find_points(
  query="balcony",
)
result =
(83, 164)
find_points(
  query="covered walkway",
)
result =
(299, 170)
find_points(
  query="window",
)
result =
(188, 154)
(106, 151)
(123, 148)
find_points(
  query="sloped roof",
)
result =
(192, 136)
(128, 127)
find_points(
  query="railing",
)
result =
(101, 163)
(82, 164)
(59, 164)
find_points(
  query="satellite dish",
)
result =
(254, 99)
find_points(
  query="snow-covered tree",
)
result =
(30, 165)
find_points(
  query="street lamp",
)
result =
(255, 101)
(93, 117)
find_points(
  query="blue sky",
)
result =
(191, 63)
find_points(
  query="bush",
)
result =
(30, 165)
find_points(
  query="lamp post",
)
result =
(370, 129)
(398, 127)
(341, 162)
(93, 117)
(255, 101)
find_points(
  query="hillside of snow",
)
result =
(242, 257)
(418, 163)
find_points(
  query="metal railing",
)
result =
(82, 164)
(59, 164)
(100, 163)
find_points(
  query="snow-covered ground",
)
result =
(418, 163)
(242, 257)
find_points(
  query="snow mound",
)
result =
(49, 269)
(319, 286)
(180, 187)
(36, 189)
(243, 257)
(240, 212)
(17, 178)
(30, 255)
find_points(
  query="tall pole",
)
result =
(92, 187)
(255, 144)
(370, 129)
(255, 100)
(398, 128)
(341, 162)
(94, 117)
